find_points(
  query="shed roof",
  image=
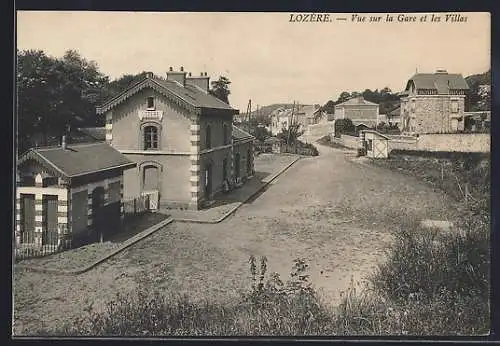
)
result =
(376, 133)
(79, 159)
(368, 123)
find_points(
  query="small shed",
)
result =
(275, 143)
(68, 193)
(375, 144)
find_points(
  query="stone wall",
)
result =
(322, 129)
(458, 142)
(347, 141)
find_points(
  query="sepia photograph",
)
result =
(248, 174)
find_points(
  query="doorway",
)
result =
(49, 235)
(28, 218)
(98, 214)
(208, 180)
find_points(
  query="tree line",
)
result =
(57, 94)
(385, 98)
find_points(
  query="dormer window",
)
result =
(151, 103)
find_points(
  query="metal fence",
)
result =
(43, 242)
(135, 206)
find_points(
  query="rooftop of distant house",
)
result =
(440, 82)
(356, 101)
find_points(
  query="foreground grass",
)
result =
(431, 284)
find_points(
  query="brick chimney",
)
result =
(178, 76)
(202, 81)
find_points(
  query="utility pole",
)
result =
(249, 114)
(290, 123)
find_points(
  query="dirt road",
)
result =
(334, 213)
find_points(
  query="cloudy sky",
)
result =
(267, 58)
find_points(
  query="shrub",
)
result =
(344, 126)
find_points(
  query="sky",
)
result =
(267, 58)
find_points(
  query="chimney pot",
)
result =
(182, 69)
(170, 68)
(189, 74)
(201, 74)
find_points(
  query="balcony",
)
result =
(150, 115)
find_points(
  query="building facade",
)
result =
(433, 103)
(358, 110)
(68, 193)
(280, 119)
(180, 136)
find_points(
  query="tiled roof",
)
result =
(442, 82)
(356, 101)
(79, 159)
(240, 135)
(194, 95)
(189, 96)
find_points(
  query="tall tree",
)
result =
(54, 93)
(118, 85)
(220, 89)
(344, 96)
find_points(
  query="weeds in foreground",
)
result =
(431, 284)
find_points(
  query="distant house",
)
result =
(308, 115)
(68, 192)
(181, 137)
(433, 103)
(280, 119)
(394, 116)
(358, 110)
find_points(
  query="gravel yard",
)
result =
(336, 214)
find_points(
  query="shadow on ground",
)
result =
(241, 194)
(136, 225)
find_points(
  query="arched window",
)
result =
(151, 137)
